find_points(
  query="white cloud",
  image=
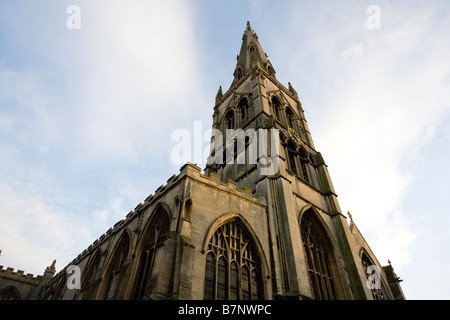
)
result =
(35, 228)
(139, 78)
(382, 109)
(357, 49)
(125, 79)
(132, 71)
(34, 231)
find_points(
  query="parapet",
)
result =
(187, 170)
(19, 275)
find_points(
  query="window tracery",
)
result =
(318, 257)
(156, 233)
(233, 268)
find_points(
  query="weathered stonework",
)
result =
(232, 232)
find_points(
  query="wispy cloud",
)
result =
(357, 49)
(136, 79)
(76, 158)
(381, 107)
(35, 231)
(85, 152)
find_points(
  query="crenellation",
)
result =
(118, 224)
(138, 207)
(248, 191)
(149, 198)
(159, 190)
(18, 275)
(172, 179)
(232, 184)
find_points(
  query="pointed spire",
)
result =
(219, 94)
(51, 270)
(292, 90)
(48, 274)
(350, 216)
(251, 55)
(352, 223)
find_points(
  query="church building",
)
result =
(260, 222)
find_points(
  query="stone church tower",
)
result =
(261, 222)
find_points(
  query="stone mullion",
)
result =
(313, 267)
(323, 279)
(327, 276)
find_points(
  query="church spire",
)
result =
(251, 55)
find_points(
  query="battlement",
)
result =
(187, 170)
(131, 215)
(19, 275)
(232, 186)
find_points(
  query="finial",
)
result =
(219, 94)
(51, 269)
(52, 266)
(291, 89)
(350, 215)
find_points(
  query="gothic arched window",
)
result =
(318, 254)
(116, 268)
(155, 235)
(292, 158)
(9, 293)
(243, 108)
(239, 73)
(304, 164)
(276, 105)
(91, 270)
(290, 118)
(233, 267)
(60, 288)
(229, 120)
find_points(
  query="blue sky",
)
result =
(86, 115)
